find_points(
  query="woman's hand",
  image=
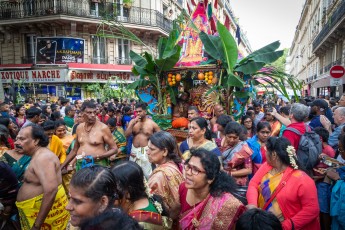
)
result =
(325, 122)
(333, 174)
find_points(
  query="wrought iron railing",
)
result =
(329, 25)
(122, 61)
(15, 9)
(337, 62)
(28, 60)
(328, 67)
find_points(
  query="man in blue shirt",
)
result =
(318, 107)
(339, 120)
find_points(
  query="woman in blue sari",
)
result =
(258, 144)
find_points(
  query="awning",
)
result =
(15, 66)
(100, 67)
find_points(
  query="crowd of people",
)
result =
(91, 165)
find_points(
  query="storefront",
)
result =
(43, 84)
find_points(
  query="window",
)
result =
(122, 12)
(98, 50)
(30, 45)
(123, 52)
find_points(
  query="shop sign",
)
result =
(59, 50)
(336, 81)
(98, 76)
(49, 75)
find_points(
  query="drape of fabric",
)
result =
(259, 153)
(268, 186)
(208, 145)
(20, 122)
(212, 213)
(121, 142)
(337, 210)
(57, 217)
(165, 181)
(148, 218)
(275, 127)
(56, 147)
(241, 159)
(104, 162)
(139, 156)
(69, 121)
(18, 166)
(9, 185)
(297, 200)
(67, 141)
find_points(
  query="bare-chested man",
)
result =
(218, 110)
(141, 128)
(41, 200)
(93, 138)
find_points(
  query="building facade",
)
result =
(53, 48)
(318, 45)
(53, 44)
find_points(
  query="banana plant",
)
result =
(149, 67)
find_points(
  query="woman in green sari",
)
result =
(120, 140)
(18, 162)
(15, 158)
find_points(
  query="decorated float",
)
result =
(200, 57)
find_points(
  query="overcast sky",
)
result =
(266, 21)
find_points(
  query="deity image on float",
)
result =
(192, 48)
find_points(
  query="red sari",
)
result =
(212, 213)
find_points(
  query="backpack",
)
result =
(309, 148)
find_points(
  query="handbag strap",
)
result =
(280, 187)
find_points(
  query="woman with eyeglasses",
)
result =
(280, 187)
(248, 124)
(135, 198)
(167, 176)
(199, 137)
(207, 195)
(258, 144)
(93, 190)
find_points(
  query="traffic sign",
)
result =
(337, 71)
(336, 81)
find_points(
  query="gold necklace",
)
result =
(88, 131)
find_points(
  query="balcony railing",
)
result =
(337, 62)
(123, 61)
(328, 67)
(28, 60)
(16, 9)
(329, 25)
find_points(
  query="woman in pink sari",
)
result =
(207, 195)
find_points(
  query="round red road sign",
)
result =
(337, 71)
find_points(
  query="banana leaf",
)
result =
(169, 48)
(233, 80)
(250, 67)
(150, 67)
(168, 63)
(137, 59)
(268, 57)
(229, 46)
(266, 49)
(161, 46)
(213, 46)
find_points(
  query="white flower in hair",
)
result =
(292, 156)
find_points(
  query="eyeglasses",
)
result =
(195, 170)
